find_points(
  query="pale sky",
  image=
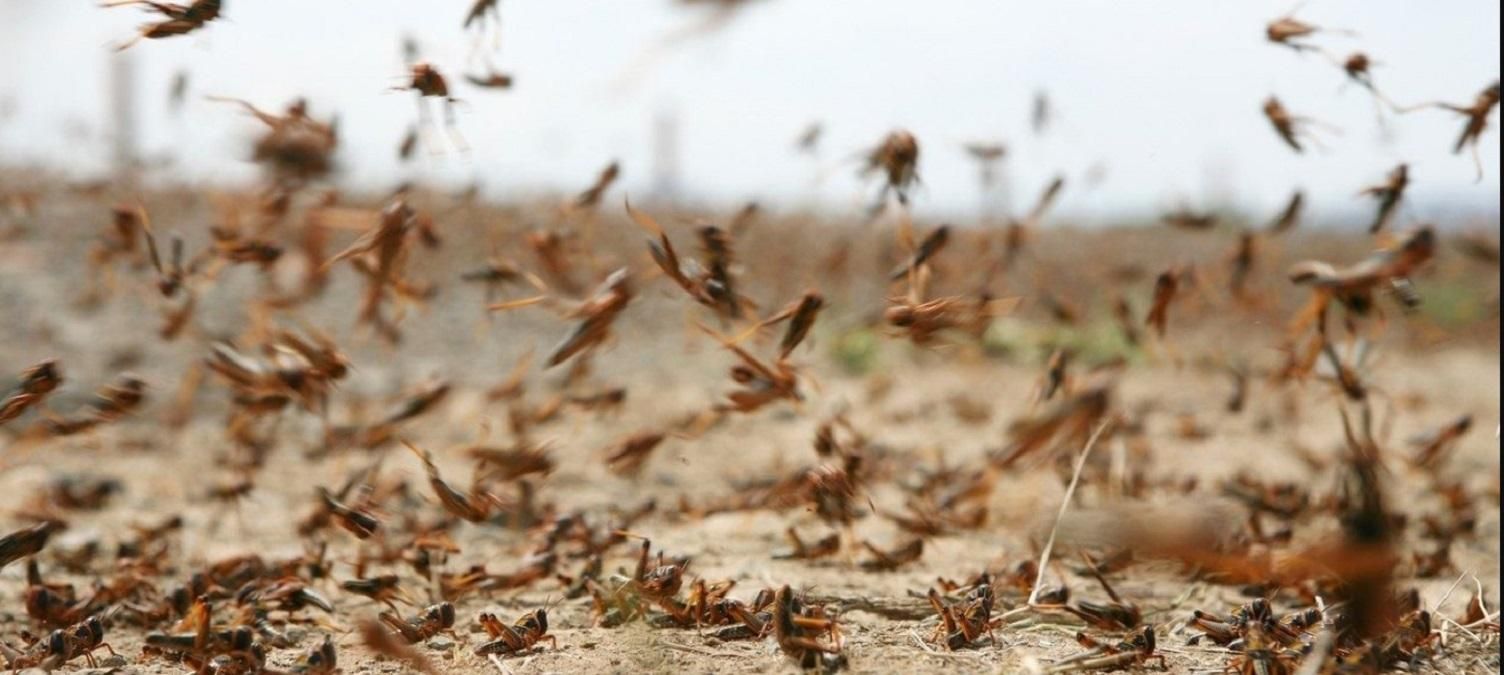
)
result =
(1164, 95)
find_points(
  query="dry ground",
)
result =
(1428, 374)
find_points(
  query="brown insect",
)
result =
(494, 79)
(1136, 650)
(482, 11)
(179, 19)
(34, 384)
(963, 623)
(356, 521)
(1067, 420)
(1354, 286)
(627, 457)
(596, 315)
(1019, 231)
(383, 589)
(825, 547)
(295, 147)
(1288, 30)
(760, 383)
(1289, 217)
(591, 197)
(883, 561)
(798, 636)
(1433, 446)
(1283, 122)
(60, 647)
(1388, 193)
(1477, 115)
(1165, 287)
(897, 158)
(26, 542)
(434, 620)
(110, 403)
(475, 506)
(712, 285)
(1185, 218)
(1115, 615)
(393, 645)
(529, 630)
(426, 80)
(1242, 260)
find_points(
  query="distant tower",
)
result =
(122, 112)
(666, 156)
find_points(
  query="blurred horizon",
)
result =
(1156, 106)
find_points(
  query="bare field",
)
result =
(916, 409)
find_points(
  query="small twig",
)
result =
(697, 650)
(1437, 607)
(1317, 658)
(1049, 544)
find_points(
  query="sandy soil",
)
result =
(670, 372)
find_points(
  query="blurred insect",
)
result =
(1068, 420)
(825, 547)
(1388, 193)
(1187, 219)
(356, 521)
(897, 158)
(1477, 115)
(1358, 67)
(1288, 30)
(475, 506)
(1479, 246)
(882, 561)
(987, 157)
(591, 197)
(179, 19)
(1116, 615)
(426, 80)
(319, 660)
(295, 147)
(1432, 446)
(393, 645)
(1019, 231)
(33, 386)
(596, 314)
(1138, 649)
(26, 542)
(492, 79)
(177, 91)
(1042, 113)
(760, 383)
(1289, 217)
(506, 640)
(1242, 260)
(711, 285)
(1354, 286)
(809, 139)
(483, 11)
(1290, 128)
(801, 316)
(383, 589)
(110, 403)
(1165, 287)
(627, 457)
(408, 144)
(381, 254)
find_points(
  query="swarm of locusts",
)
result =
(532, 513)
